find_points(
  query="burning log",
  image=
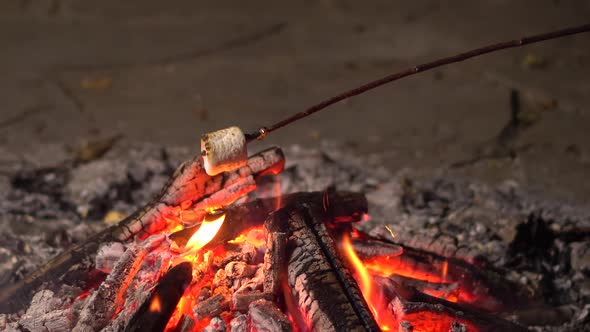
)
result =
(485, 290)
(322, 286)
(427, 313)
(103, 303)
(345, 207)
(189, 189)
(266, 317)
(153, 315)
(242, 300)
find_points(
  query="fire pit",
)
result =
(326, 242)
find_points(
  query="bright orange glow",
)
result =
(155, 305)
(389, 265)
(254, 236)
(445, 269)
(374, 300)
(205, 233)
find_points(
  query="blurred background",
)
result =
(74, 72)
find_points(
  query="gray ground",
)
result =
(168, 72)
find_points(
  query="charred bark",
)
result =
(101, 306)
(323, 288)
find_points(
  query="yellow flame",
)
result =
(155, 305)
(205, 234)
(366, 281)
(358, 265)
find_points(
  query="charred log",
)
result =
(276, 252)
(344, 206)
(103, 303)
(485, 290)
(322, 286)
(153, 315)
(212, 306)
(430, 313)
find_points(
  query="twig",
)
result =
(23, 115)
(264, 131)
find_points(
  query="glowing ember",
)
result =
(205, 233)
(155, 305)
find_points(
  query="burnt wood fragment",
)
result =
(241, 300)
(154, 314)
(190, 188)
(367, 247)
(101, 306)
(275, 255)
(266, 317)
(211, 307)
(321, 285)
(185, 324)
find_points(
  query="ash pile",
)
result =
(50, 200)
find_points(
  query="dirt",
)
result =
(151, 71)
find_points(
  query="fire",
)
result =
(254, 236)
(374, 300)
(155, 305)
(205, 233)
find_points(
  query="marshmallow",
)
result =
(224, 150)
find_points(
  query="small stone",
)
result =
(580, 256)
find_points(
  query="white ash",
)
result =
(107, 256)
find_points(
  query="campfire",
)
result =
(232, 253)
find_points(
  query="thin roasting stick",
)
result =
(264, 131)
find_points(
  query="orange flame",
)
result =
(255, 236)
(205, 233)
(366, 285)
(155, 305)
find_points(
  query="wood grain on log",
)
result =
(324, 289)
(190, 188)
(274, 256)
(101, 306)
